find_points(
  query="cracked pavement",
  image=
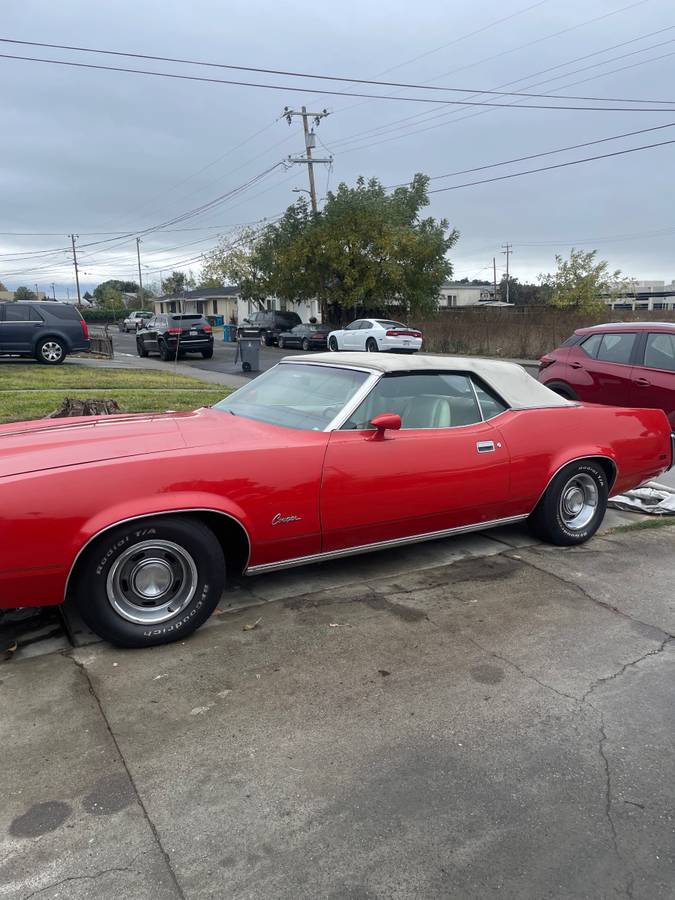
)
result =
(496, 727)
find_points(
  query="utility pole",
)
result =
(36, 291)
(310, 144)
(53, 291)
(507, 251)
(310, 162)
(77, 274)
(140, 278)
(494, 275)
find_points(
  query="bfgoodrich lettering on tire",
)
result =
(574, 505)
(151, 581)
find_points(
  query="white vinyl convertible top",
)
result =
(509, 380)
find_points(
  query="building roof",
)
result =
(509, 380)
(230, 290)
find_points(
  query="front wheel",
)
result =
(164, 353)
(333, 344)
(281, 343)
(51, 352)
(574, 505)
(141, 349)
(207, 354)
(150, 582)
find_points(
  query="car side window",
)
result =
(429, 400)
(660, 351)
(35, 315)
(354, 326)
(591, 345)
(365, 326)
(19, 312)
(491, 405)
(616, 348)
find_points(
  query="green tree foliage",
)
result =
(365, 248)
(2, 287)
(24, 293)
(178, 282)
(522, 293)
(111, 299)
(582, 282)
(122, 287)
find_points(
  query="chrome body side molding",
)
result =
(380, 545)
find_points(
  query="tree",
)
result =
(366, 248)
(2, 287)
(122, 287)
(111, 299)
(178, 282)
(23, 293)
(521, 293)
(582, 283)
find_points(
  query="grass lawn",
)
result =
(33, 391)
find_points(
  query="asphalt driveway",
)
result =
(497, 727)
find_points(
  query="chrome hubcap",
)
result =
(51, 351)
(151, 582)
(579, 501)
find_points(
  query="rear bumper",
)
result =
(393, 343)
(194, 344)
(80, 346)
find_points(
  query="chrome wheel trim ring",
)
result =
(151, 582)
(578, 502)
(51, 351)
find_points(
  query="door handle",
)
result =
(485, 446)
(576, 365)
(642, 382)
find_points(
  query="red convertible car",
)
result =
(136, 519)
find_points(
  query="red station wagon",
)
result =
(620, 364)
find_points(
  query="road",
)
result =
(223, 356)
(498, 727)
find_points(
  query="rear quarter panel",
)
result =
(541, 441)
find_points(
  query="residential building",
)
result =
(456, 293)
(221, 301)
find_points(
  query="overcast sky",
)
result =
(89, 151)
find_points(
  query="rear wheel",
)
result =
(574, 505)
(305, 344)
(207, 354)
(150, 582)
(371, 345)
(333, 344)
(51, 351)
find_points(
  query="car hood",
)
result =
(55, 443)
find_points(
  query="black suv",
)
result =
(46, 330)
(172, 333)
(271, 323)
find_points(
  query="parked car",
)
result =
(271, 324)
(306, 337)
(173, 333)
(376, 334)
(621, 364)
(135, 320)
(46, 330)
(138, 518)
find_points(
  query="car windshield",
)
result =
(305, 397)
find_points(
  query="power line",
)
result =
(333, 93)
(517, 159)
(439, 112)
(574, 162)
(314, 76)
